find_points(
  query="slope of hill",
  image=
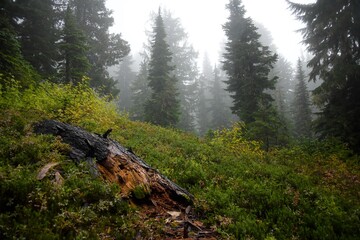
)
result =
(307, 191)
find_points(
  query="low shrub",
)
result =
(309, 190)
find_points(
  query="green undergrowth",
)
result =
(306, 191)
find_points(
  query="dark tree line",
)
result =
(64, 40)
(12, 62)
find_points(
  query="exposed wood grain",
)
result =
(116, 164)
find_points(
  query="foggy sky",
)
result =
(203, 20)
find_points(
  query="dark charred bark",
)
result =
(117, 164)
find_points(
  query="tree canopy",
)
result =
(332, 34)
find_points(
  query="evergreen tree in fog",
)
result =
(12, 63)
(283, 70)
(105, 49)
(140, 92)
(75, 64)
(247, 64)
(186, 71)
(333, 37)
(37, 32)
(39, 25)
(220, 114)
(125, 77)
(163, 106)
(203, 106)
(302, 110)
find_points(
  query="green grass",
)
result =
(307, 191)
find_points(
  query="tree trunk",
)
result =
(116, 164)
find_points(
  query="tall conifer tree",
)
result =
(35, 22)
(38, 34)
(163, 105)
(302, 110)
(105, 49)
(75, 64)
(284, 86)
(247, 63)
(333, 37)
(186, 71)
(203, 105)
(12, 63)
(125, 77)
(140, 92)
(185, 59)
(220, 114)
(202, 113)
(283, 92)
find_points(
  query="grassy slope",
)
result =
(303, 192)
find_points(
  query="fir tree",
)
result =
(38, 35)
(186, 72)
(283, 71)
(332, 36)
(247, 63)
(283, 93)
(203, 118)
(219, 112)
(302, 110)
(207, 70)
(203, 104)
(284, 86)
(267, 127)
(73, 46)
(125, 78)
(12, 63)
(105, 49)
(185, 59)
(163, 105)
(140, 92)
(37, 32)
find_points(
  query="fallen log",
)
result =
(115, 163)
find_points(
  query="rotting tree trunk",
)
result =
(119, 165)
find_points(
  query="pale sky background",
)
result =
(203, 20)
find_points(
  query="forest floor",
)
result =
(170, 224)
(306, 190)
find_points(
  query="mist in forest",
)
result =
(158, 119)
(203, 20)
(198, 66)
(196, 38)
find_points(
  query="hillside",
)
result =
(305, 191)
